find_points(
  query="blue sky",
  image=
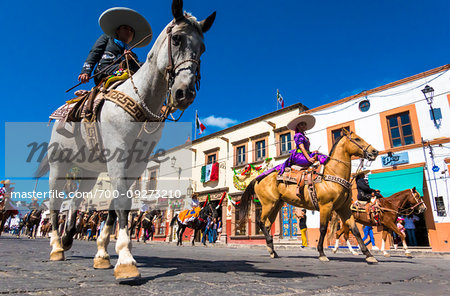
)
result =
(314, 52)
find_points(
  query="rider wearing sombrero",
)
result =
(301, 155)
(123, 28)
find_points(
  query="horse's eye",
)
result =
(176, 40)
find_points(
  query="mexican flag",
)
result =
(210, 172)
(280, 99)
(198, 124)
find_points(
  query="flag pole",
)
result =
(277, 97)
(195, 133)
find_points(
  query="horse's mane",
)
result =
(395, 195)
(333, 147)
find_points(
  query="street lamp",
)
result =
(189, 191)
(428, 92)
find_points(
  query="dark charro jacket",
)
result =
(364, 190)
(102, 54)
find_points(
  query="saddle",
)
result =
(304, 176)
(371, 209)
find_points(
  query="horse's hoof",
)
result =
(354, 253)
(334, 251)
(408, 254)
(101, 263)
(371, 260)
(387, 255)
(126, 271)
(57, 256)
(324, 259)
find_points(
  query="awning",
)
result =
(391, 182)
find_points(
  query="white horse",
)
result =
(173, 62)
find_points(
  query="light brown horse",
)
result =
(331, 195)
(404, 202)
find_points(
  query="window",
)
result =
(211, 155)
(238, 229)
(440, 206)
(258, 210)
(400, 127)
(211, 158)
(260, 150)
(151, 183)
(285, 143)
(400, 130)
(337, 133)
(240, 155)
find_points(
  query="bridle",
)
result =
(365, 150)
(410, 210)
(170, 74)
(171, 68)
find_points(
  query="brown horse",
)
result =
(403, 202)
(46, 227)
(32, 223)
(331, 195)
(92, 224)
(6, 210)
(135, 225)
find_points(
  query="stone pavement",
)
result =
(170, 270)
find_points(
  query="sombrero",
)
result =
(364, 172)
(6, 182)
(114, 17)
(309, 119)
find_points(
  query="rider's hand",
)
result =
(127, 52)
(83, 78)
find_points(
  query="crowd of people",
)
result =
(213, 230)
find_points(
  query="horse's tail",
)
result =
(43, 168)
(245, 201)
(173, 220)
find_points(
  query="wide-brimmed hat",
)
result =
(6, 182)
(363, 173)
(114, 17)
(308, 118)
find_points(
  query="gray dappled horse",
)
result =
(174, 61)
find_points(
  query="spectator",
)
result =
(400, 227)
(411, 229)
(213, 231)
(219, 228)
(303, 227)
(206, 231)
(368, 233)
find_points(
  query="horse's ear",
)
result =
(207, 23)
(177, 9)
(414, 189)
(345, 131)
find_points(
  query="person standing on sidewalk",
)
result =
(303, 227)
(368, 233)
(411, 229)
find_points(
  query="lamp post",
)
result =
(428, 92)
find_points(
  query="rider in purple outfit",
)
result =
(300, 156)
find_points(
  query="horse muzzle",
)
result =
(371, 154)
(183, 97)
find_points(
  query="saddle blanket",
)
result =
(187, 216)
(62, 111)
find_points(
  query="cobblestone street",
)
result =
(167, 269)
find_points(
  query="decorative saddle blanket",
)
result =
(187, 216)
